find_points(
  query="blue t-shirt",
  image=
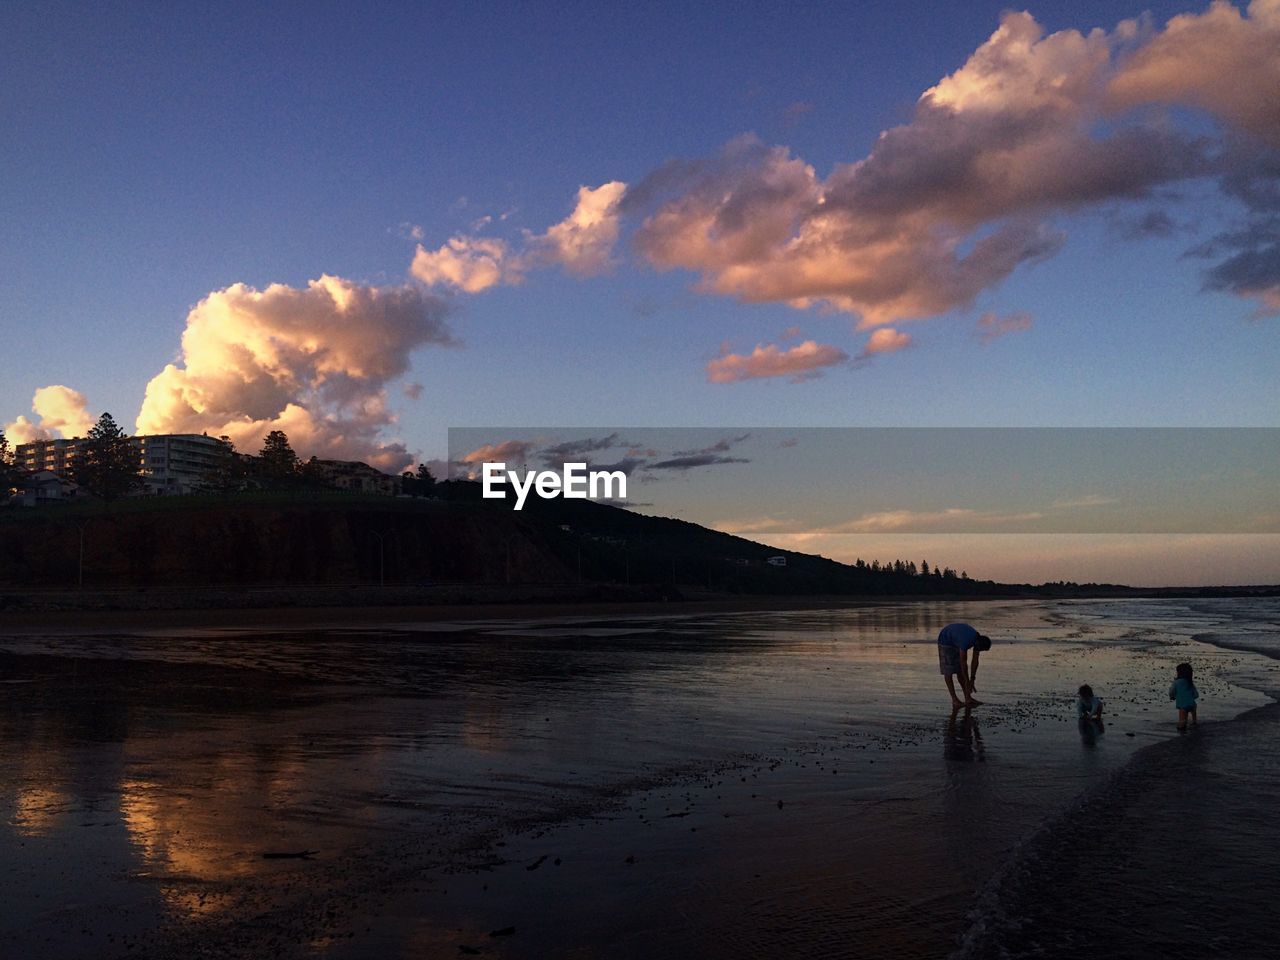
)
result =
(958, 635)
(1087, 708)
(1184, 692)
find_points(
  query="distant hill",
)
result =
(308, 538)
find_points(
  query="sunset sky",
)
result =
(365, 225)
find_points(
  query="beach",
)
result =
(725, 783)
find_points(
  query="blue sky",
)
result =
(155, 155)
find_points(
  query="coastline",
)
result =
(123, 617)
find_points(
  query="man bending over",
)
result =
(954, 642)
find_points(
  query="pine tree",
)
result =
(279, 463)
(109, 466)
(230, 473)
(8, 473)
(426, 482)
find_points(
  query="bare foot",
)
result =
(972, 702)
(956, 703)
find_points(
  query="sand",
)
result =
(757, 783)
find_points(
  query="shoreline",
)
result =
(299, 617)
(345, 605)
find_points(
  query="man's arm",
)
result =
(966, 676)
(973, 670)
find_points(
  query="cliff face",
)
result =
(212, 543)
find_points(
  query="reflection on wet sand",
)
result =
(36, 809)
(963, 740)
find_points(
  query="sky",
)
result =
(366, 226)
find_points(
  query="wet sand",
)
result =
(23, 622)
(749, 784)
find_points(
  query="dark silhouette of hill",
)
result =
(315, 538)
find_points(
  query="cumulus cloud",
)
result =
(582, 244)
(314, 362)
(946, 206)
(1221, 61)
(884, 340)
(992, 326)
(57, 408)
(469, 264)
(802, 362)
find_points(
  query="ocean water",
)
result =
(738, 785)
(1174, 854)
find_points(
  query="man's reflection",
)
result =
(962, 740)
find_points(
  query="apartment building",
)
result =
(171, 463)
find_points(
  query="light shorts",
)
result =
(948, 659)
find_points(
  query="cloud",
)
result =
(1219, 61)
(469, 264)
(947, 206)
(508, 451)
(1088, 500)
(627, 465)
(582, 244)
(571, 450)
(801, 362)
(949, 520)
(314, 362)
(59, 409)
(992, 326)
(884, 340)
(723, 445)
(688, 463)
(1254, 269)
(752, 525)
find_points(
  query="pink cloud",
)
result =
(991, 326)
(57, 408)
(1220, 61)
(582, 244)
(508, 451)
(801, 362)
(314, 361)
(950, 204)
(884, 340)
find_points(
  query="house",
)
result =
(778, 561)
(43, 486)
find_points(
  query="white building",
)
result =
(170, 462)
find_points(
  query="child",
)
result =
(1089, 707)
(1183, 691)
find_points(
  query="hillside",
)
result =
(311, 539)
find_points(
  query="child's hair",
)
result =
(1184, 672)
(1086, 692)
